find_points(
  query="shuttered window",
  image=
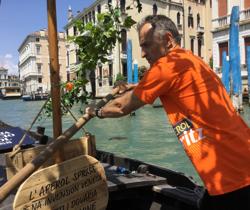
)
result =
(223, 47)
(222, 6)
(247, 4)
(247, 44)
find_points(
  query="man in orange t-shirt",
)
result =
(212, 133)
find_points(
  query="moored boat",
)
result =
(10, 93)
(35, 97)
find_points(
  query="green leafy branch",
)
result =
(95, 42)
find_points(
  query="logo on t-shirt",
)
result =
(181, 126)
(186, 132)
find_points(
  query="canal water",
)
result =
(147, 136)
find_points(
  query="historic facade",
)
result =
(192, 17)
(3, 77)
(220, 29)
(34, 69)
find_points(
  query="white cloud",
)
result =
(7, 61)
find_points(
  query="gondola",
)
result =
(132, 184)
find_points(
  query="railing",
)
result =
(225, 20)
(245, 14)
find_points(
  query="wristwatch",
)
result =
(98, 112)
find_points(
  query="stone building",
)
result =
(192, 17)
(34, 61)
(220, 30)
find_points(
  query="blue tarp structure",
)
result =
(135, 72)
(248, 69)
(225, 72)
(234, 51)
(129, 61)
(11, 136)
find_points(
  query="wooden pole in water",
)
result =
(54, 68)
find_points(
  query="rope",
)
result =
(17, 147)
(72, 115)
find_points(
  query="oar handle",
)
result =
(44, 155)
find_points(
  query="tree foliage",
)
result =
(95, 42)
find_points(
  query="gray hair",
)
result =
(161, 24)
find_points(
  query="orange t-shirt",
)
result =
(213, 135)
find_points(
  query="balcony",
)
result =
(245, 15)
(32, 74)
(224, 22)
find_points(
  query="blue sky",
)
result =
(18, 18)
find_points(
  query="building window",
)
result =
(67, 58)
(223, 47)
(99, 9)
(38, 49)
(110, 74)
(93, 16)
(39, 68)
(77, 56)
(37, 39)
(155, 9)
(190, 18)
(100, 75)
(247, 4)
(39, 80)
(178, 17)
(199, 47)
(247, 44)
(75, 30)
(190, 21)
(86, 18)
(192, 44)
(122, 5)
(198, 20)
(124, 40)
(222, 8)
(124, 69)
(90, 17)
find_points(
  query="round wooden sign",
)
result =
(78, 183)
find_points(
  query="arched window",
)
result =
(155, 8)
(189, 10)
(124, 40)
(178, 16)
(198, 20)
(192, 44)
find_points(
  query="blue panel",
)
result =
(225, 72)
(234, 53)
(129, 61)
(135, 73)
(248, 69)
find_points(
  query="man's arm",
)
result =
(122, 106)
(119, 107)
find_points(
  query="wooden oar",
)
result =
(28, 169)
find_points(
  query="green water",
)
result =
(146, 136)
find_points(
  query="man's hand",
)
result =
(90, 110)
(123, 86)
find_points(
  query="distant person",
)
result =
(212, 133)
